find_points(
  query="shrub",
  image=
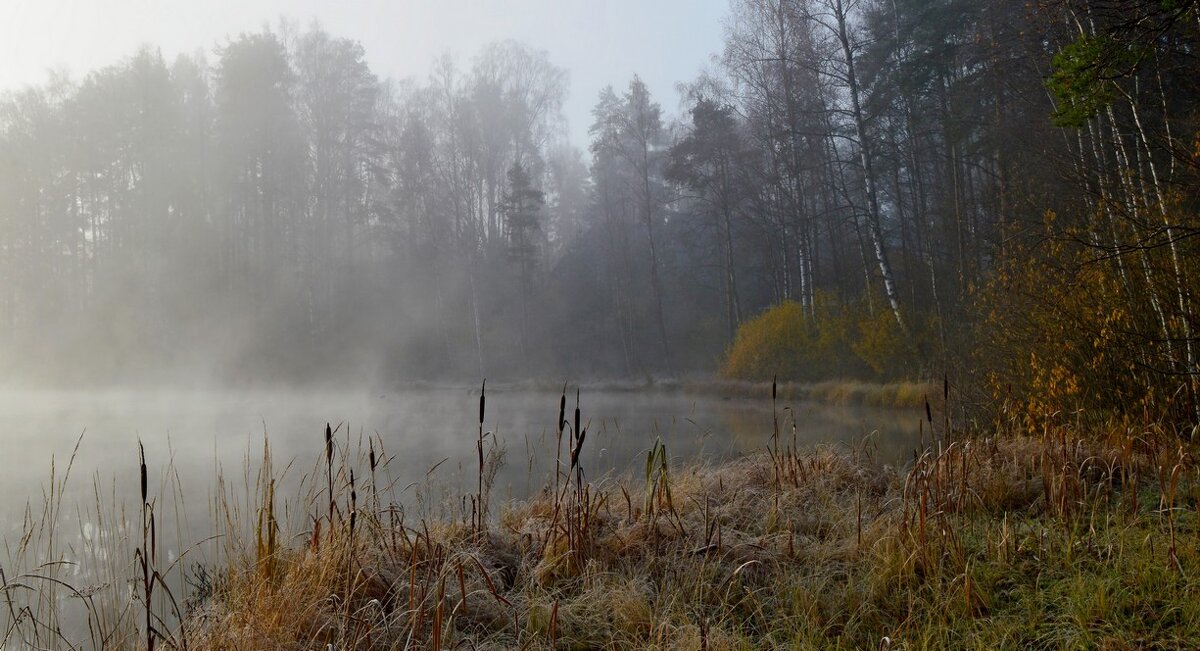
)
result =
(880, 343)
(1062, 328)
(830, 340)
(786, 341)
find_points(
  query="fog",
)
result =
(211, 248)
(425, 435)
(276, 207)
(204, 450)
(275, 212)
(209, 244)
(259, 262)
(267, 230)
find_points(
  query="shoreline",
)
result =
(1008, 541)
(1060, 536)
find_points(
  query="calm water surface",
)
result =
(201, 433)
(428, 435)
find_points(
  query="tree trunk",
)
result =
(864, 150)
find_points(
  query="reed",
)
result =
(1059, 536)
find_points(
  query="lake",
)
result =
(427, 435)
(202, 432)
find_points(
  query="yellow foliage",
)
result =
(826, 340)
(879, 341)
(1064, 329)
(773, 343)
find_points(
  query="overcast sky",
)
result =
(600, 41)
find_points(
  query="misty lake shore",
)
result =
(1016, 541)
(845, 391)
(1064, 535)
(69, 504)
(543, 325)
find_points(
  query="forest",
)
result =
(1001, 189)
(909, 288)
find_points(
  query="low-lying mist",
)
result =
(278, 214)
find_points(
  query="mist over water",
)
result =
(204, 452)
(256, 272)
(199, 435)
(207, 259)
(208, 253)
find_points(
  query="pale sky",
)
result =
(599, 41)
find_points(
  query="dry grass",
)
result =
(1053, 537)
(832, 392)
(1017, 541)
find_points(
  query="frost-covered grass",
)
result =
(1023, 538)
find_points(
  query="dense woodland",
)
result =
(1002, 188)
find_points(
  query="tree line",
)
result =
(1002, 186)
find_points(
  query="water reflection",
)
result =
(202, 433)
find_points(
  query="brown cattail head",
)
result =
(576, 432)
(371, 456)
(774, 386)
(353, 502)
(562, 411)
(328, 443)
(577, 448)
(142, 468)
(482, 401)
(928, 411)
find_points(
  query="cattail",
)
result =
(477, 512)
(142, 455)
(575, 449)
(371, 456)
(774, 387)
(577, 437)
(558, 432)
(328, 443)
(928, 411)
(329, 470)
(148, 555)
(562, 410)
(482, 400)
(353, 502)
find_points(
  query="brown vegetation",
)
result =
(1056, 539)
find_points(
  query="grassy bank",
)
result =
(1059, 537)
(852, 393)
(903, 395)
(1019, 541)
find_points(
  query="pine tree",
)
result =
(521, 207)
